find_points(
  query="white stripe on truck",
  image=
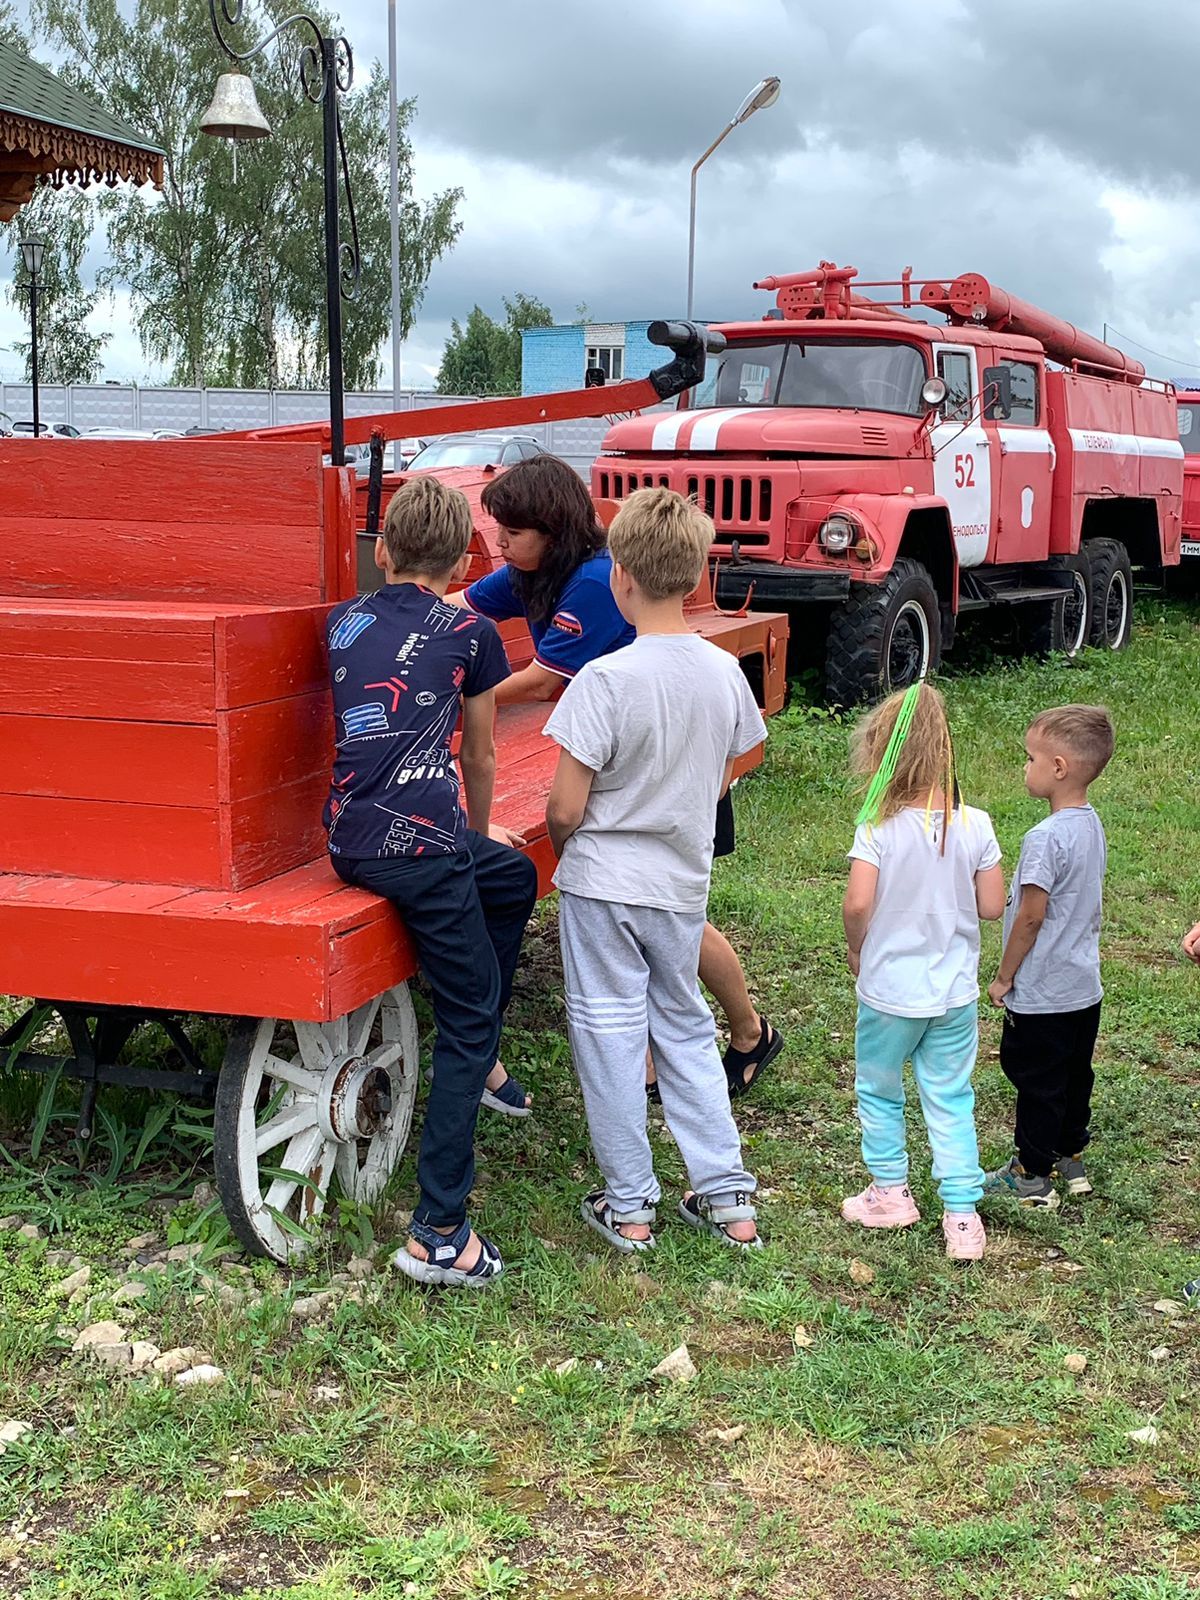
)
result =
(1096, 441)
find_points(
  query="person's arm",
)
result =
(568, 799)
(1027, 924)
(477, 756)
(533, 682)
(728, 779)
(1191, 945)
(458, 597)
(857, 905)
(989, 893)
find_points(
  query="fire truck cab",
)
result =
(1189, 439)
(896, 474)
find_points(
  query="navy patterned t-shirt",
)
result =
(400, 662)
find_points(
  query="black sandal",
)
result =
(735, 1062)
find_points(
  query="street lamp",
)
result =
(763, 94)
(33, 250)
(326, 73)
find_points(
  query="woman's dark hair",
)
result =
(546, 494)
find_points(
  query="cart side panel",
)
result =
(176, 519)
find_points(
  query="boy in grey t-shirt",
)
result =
(1049, 977)
(649, 735)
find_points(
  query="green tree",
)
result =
(485, 356)
(68, 351)
(227, 278)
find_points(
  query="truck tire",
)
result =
(1112, 594)
(1061, 626)
(884, 637)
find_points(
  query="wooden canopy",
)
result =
(52, 132)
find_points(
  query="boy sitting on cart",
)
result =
(402, 662)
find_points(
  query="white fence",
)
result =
(118, 405)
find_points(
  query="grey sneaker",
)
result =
(1071, 1170)
(1023, 1186)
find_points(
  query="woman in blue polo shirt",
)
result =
(556, 576)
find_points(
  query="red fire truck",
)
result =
(1189, 439)
(895, 475)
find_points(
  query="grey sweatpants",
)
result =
(631, 980)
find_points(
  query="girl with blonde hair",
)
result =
(924, 868)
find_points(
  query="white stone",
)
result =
(1169, 1308)
(68, 1286)
(111, 1355)
(203, 1195)
(1076, 1362)
(360, 1267)
(199, 1377)
(10, 1223)
(142, 1354)
(1159, 1353)
(185, 1252)
(327, 1394)
(310, 1305)
(564, 1367)
(861, 1273)
(100, 1333)
(29, 1231)
(141, 1241)
(12, 1430)
(129, 1292)
(174, 1361)
(678, 1367)
(1146, 1435)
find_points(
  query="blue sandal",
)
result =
(508, 1099)
(444, 1250)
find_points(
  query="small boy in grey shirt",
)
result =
(1049, 977)
(649, 735)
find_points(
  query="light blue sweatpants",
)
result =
(942, 1051)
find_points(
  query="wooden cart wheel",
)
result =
(297, 1103)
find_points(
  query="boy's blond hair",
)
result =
(427, 527)
(662, 541)
(1085, 732)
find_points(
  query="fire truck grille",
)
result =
(739, 505)
(874, 436)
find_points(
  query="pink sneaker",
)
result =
(882, 1206)
(965, 1238)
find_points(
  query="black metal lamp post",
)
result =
(326, 73)
(32, 252)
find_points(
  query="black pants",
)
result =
(1048, 1060)
(466, 913)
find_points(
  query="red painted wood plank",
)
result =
(49, 686)
(367, 959)
(340, 548)
(166, 480)
(268, 833)
(143, 958)
(99, 838)
(57, 891)
(271, 655)
(135, 897)
(157, 763)
(252, 561)
(280, 742)
(88, 632)
(281, 898)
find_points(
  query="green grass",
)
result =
(927, 1442)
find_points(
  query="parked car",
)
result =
(132, 433)
(476, 450)
(46, 430)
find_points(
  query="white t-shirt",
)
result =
(656, 722)
(920, 957)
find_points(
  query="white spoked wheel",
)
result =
(302, 1103)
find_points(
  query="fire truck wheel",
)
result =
(884, 637)
(1112, 594)
(301, 1104)
(1061, 627)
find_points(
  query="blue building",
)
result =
(553, 359)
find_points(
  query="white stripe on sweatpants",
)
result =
(624, 961)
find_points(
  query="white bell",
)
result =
(234, 112)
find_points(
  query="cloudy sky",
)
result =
(1045, 143)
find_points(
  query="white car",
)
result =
(46, 430)
(132, 433)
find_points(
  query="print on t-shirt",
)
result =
(397, 689)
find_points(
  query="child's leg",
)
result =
(691, 1079)
(605, 976)
(1035, 1052)
(882, 1044)
(507, 884)
(437, 897)
(942, 1064)
(1081, 1078)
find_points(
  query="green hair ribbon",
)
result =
(886, 770)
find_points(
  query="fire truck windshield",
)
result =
(874, 375)
(1189, 429)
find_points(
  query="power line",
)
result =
(1158, 354)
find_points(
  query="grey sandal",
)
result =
(441, 1269)
(598, 1214)
(706, 1217)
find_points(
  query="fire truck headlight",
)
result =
(837, 533)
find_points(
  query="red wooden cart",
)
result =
(165, 745)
